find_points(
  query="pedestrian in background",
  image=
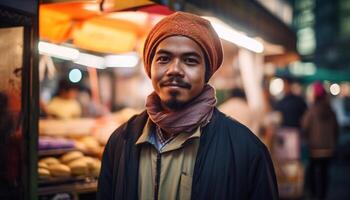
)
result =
(320, 129)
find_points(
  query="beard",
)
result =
(173, 103)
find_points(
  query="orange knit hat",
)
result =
(188, 25)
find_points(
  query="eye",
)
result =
(191, 61)
(162, 59)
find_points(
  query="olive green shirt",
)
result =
(177, 159)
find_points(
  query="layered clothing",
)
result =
(231, 163)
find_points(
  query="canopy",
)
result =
(83, 24)
(57, 21)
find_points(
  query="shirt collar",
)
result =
(146, 133)
(180, 140)
(177, 142)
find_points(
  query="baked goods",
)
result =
(95, 168)
(44, 173)
(49, 161)
(43, 165)
(89, 145)
(88, 161)
(70, 156)
(60, 170)
(73, 163)
(78, 168)
(80, 145)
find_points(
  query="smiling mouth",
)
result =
(173, 85)
(176, 85)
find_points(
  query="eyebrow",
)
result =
(190, 53)
(162, 51)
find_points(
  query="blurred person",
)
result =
(287, 141)
(341, 106)
(90, 107)
(64, 104)
(321, 131)
(291, 106)
(237, 107)
(182, 147)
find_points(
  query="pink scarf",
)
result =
(197, 112)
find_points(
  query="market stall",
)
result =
(96, 53)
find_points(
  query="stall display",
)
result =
(71, 164)
(70, 127)
(73, 168)
(70, 153)
(69, 158)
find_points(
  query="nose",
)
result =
(175, 68)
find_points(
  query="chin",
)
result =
(174, 104)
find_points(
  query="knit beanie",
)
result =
(188, 25)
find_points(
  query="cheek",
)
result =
(156, 71)
(197, 77)
(156, 76)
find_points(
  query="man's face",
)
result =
(178, 71)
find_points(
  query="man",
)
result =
(288, 143)
(182, 147)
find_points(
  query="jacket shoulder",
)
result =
(125, 130)
(253, 157)
(239, 134)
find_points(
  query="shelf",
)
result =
(55, 152)
(79, 187)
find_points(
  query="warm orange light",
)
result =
(57, 21)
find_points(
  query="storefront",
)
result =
(19, 99)
(95, 54)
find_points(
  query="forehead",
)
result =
(179, 45)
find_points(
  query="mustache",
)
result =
(175, 81)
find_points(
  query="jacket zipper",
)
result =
(156, 186)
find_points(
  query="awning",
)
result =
(83, 24)
(253, 18)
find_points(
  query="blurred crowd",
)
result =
(301, 130)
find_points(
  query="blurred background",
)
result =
(72, 72)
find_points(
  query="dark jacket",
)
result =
(292, 108)
(231, 163)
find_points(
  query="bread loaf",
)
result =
(70, 156)
(96, 168)
(43, 165)
(59, 170)
(91, 144)
(44, 173)
(78, 168)
(49, 161)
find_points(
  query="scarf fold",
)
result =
(196, 113)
